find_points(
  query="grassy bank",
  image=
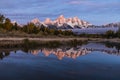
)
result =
(32, 43)
(44, 39)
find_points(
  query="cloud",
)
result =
(78, 2)
(74, 2)
(25, 10)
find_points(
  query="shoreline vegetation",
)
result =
(33, 43)
(50, 42)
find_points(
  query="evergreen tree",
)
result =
(118, 33)
(110, 34)
(2, 18)
(8, 25)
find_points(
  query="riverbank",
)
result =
(60, 39)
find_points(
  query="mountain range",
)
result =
(68, 23)
(63, 23)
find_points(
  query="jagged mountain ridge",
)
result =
(117, 24)
(63, 23)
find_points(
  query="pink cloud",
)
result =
(77, 2)
(74, 2)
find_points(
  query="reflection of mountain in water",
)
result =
(60, 53)
(68, 52)
(72, 52)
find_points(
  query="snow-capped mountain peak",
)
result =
(48, 21)
(62, 22)
(35, 21)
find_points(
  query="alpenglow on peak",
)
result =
(64, 23)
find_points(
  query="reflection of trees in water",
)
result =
(26, 45)
(26, 50)
(118, 47)
(111, 45)
(4, 54)
(62, 52)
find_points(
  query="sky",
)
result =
(97, 12)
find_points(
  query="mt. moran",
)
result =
(63, 23)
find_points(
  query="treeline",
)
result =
(30, 28)
(108, 34)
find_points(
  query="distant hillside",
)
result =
(112, 25)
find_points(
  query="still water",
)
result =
(93, 61)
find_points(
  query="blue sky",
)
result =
(94, 11)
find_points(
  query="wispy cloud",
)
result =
(74, 2)
(78, 2)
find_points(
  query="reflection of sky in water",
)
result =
(45, 64)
